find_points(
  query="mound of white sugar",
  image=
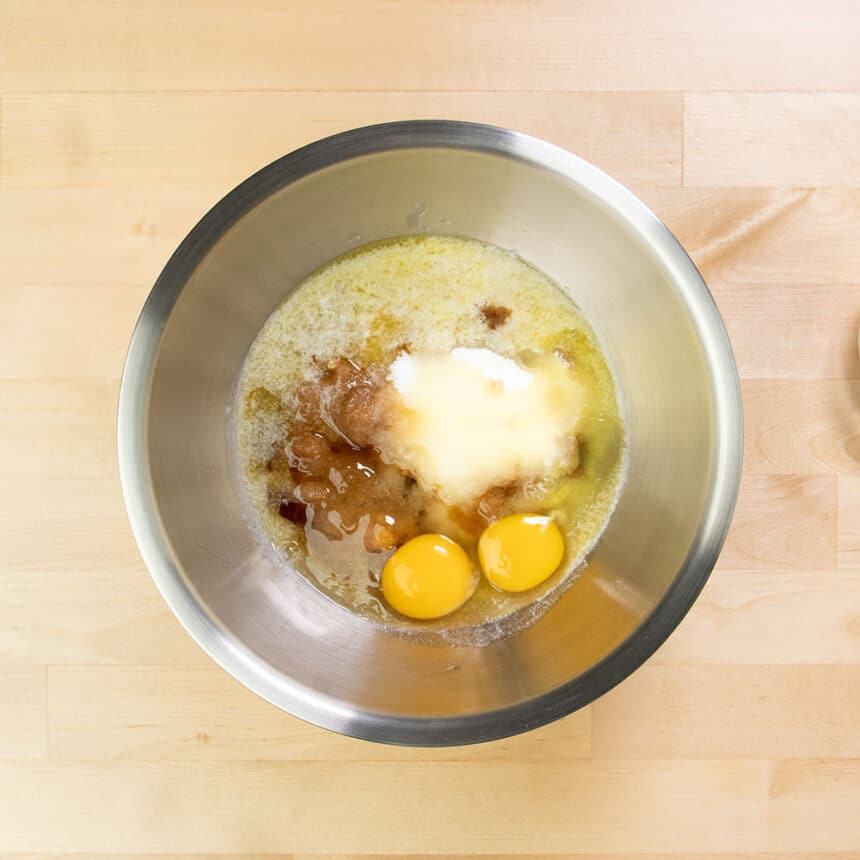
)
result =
(469, 419)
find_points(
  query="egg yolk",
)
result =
(428, 577)
(520, 551)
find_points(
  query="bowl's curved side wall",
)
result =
(633, 281)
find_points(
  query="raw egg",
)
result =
(428, 577)
(520, 551)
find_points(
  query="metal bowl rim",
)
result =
(319, 708)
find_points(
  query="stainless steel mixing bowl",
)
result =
(662, 333)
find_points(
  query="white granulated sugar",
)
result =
(470, 419)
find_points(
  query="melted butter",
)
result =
(424, 295)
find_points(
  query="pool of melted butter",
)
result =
(430, 294)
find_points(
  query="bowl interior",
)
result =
(278, 634)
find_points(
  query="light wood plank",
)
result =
(733, 712)
(79, 526)
(592, 856)
(770, 617)
(758, 139)
(168, 713)
(810, 426)
(811, 329)
(767, 236)
(848, 526)
(101, 616)
(783, 522)
(441, 807)
(805, 855)
(805, 794)
(455, 45)
(215, 140)
(73, 583)
(93, 238)
(57, 431)
(68, 315)
(23, 712)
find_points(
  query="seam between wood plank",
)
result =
(343, 90)
(765, 91)
(346, 90)
(836, 521)
(836, 475)
(683, 140)
(47, 719)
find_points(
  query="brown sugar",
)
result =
(325, 473)
(494, 316)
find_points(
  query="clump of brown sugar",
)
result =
(494, 316)
(326, 474)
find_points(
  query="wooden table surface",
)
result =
(122, 122)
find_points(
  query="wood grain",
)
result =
(848, 527)
(163, 713)
(24, 712)
(80, 524)
(805, 855)
(122, 123)
(768, 236)
(75, 354)
(752, 711)
(100, 617)
(759, 139)
(804, 791)
(214, 140)
(794, 425)
(663, 45)
(812, 329)
(785, 522)
(92, 238)
(52, 419)
(770, 616)
(438, 806)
